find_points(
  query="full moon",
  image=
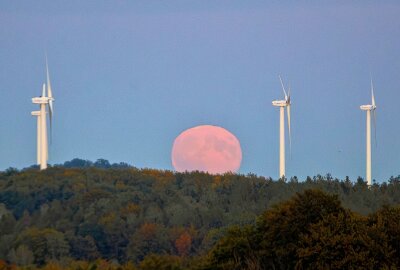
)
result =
(206, 148)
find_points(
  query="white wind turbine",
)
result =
(282, 104)
(43, 100)
(369, 108)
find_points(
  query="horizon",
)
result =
(103, 163)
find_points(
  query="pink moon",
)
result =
(206, 148)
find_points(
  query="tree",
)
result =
(183, 244)
(46, 244)
(339, 241)
(84, 248)
(102, 163)
(149, 238)
(280, 228)
(78, 163)
(386, 225)
(237, 250)
(21, 256)
(157, 262)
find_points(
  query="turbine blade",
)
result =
(51, 108)
(44, 90)
(49, 92)
(290, 134)
(283, 87)
(50, 96)
(372, 94)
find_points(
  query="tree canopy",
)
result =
(103, 213)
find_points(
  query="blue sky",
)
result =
(129, 76)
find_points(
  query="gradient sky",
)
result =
(130, 76)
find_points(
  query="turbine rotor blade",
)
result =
(372, 94)
(283, 87)
(44, 90)
(49, 92)
(373, 111)
(50, 96)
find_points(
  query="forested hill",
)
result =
(123, 213)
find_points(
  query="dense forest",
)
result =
(97, 215)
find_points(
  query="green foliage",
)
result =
(386, 228)
(46, 244)
(340, 241)
(311, 231)
(280, 228)
(157, 262)
(235, 250)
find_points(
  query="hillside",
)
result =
(121, 214)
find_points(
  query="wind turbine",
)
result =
(282, 104)
(43, 100)
(369, 108)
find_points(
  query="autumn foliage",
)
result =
(183, 244)
(119, 217)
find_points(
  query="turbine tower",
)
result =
(369, 108)
(39, 138)
(282, 104)
(43, 100)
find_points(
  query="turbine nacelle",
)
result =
(367, 107)
(40, 100)
(280, 103)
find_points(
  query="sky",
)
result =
(129, 76)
